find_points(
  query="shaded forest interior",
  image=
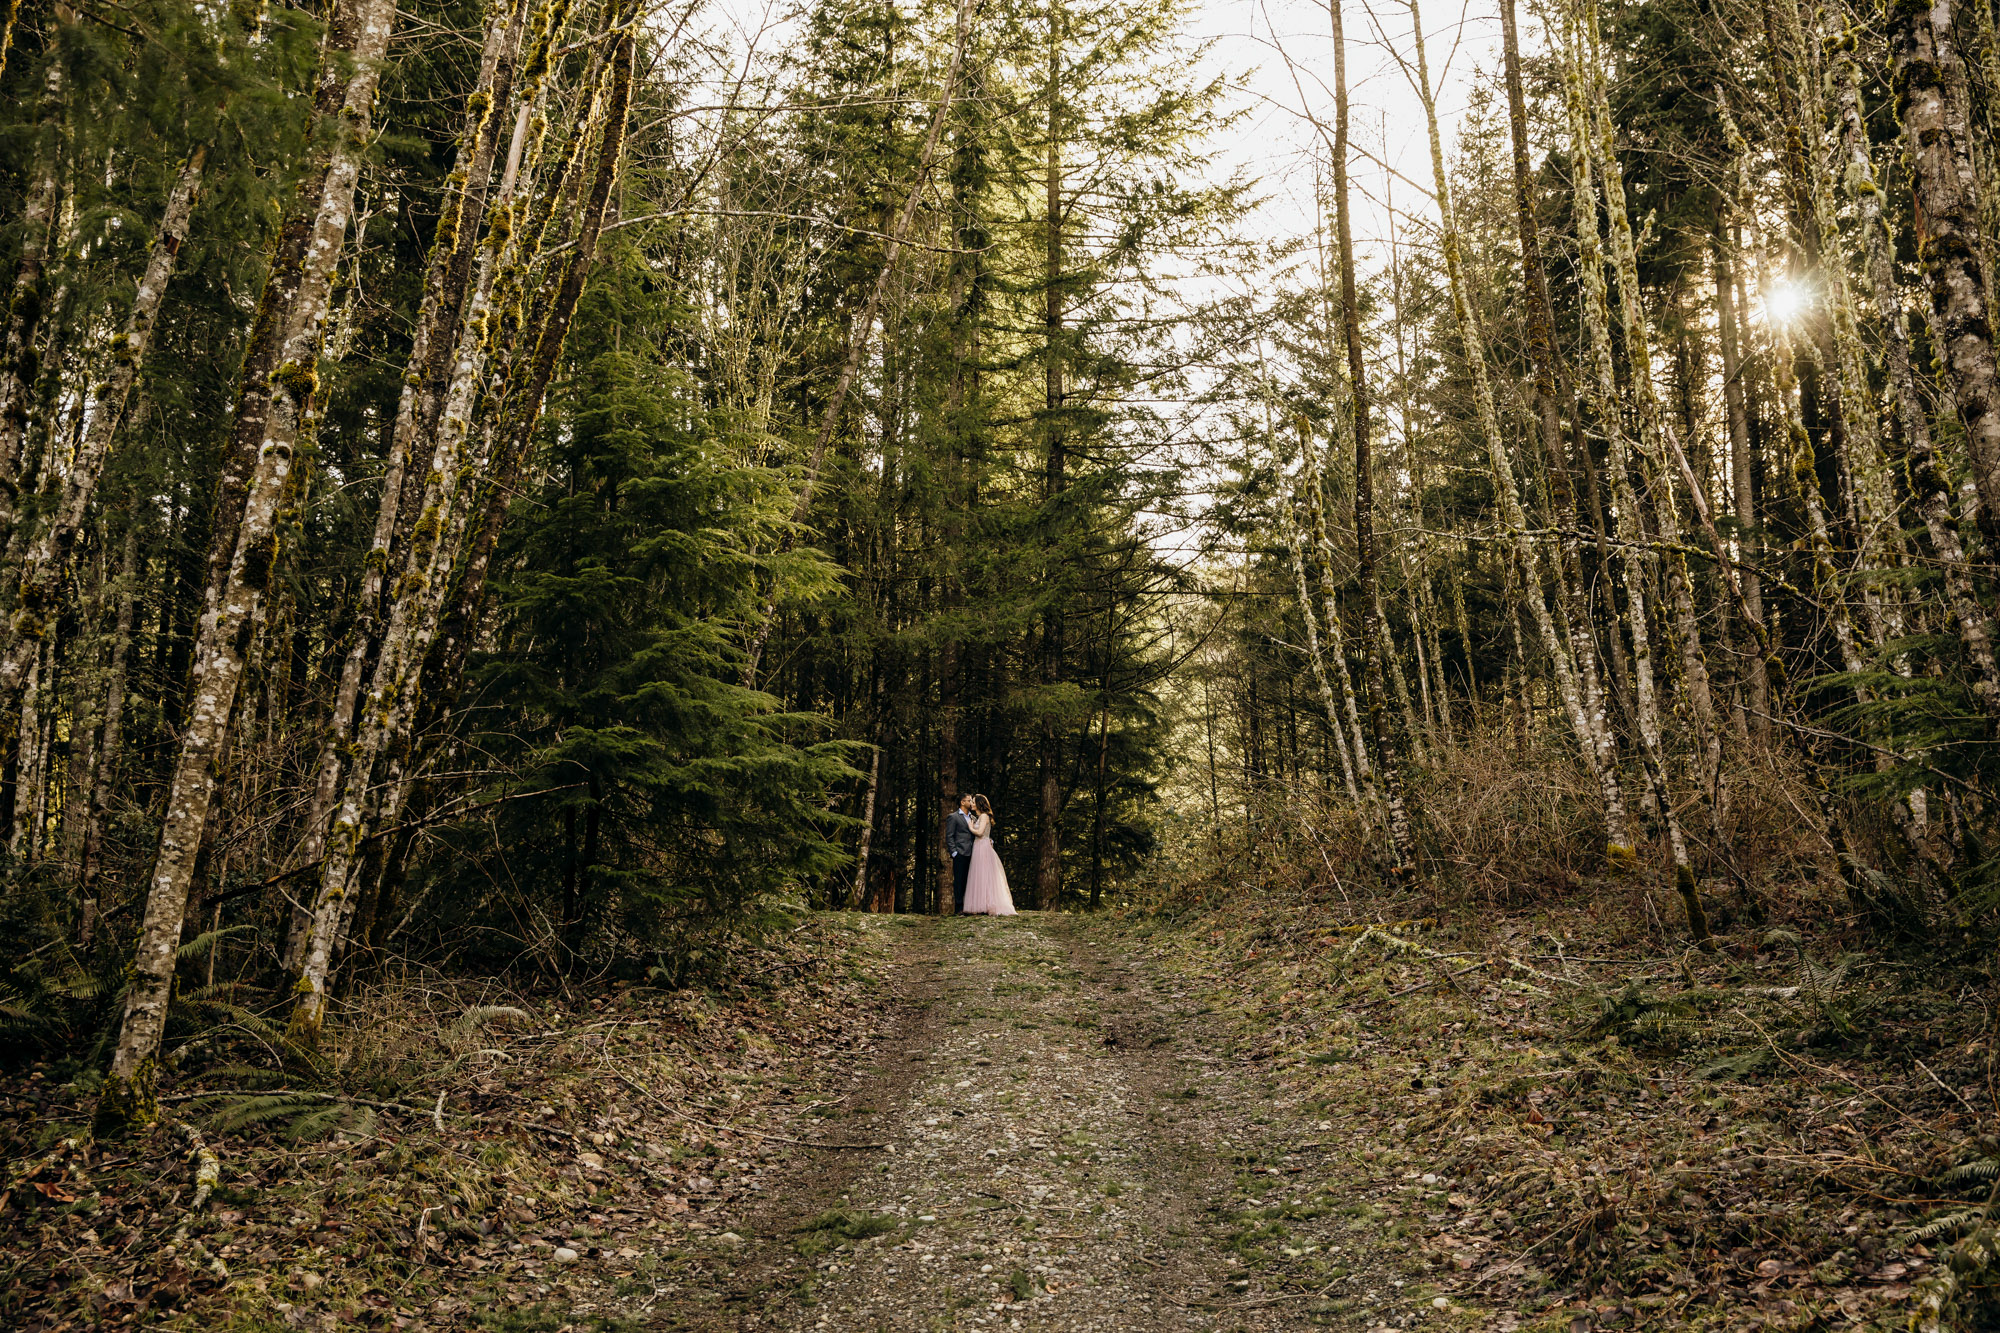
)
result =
(535, 491)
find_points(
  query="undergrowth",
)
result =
(456, 1155)
(1795, 1130)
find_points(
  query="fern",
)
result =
(1959, 1292)
(1948, 1224)
(201, 944)
(1977, 1170)
(1737, 1066)
(302, 1117)
(486, 1015)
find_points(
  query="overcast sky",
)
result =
(1284, 49)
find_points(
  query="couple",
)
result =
(978, 881)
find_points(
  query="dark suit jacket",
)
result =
(957, 834)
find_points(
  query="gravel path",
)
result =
(1064, 1152)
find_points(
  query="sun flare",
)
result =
(1785, 302)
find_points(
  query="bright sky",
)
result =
(1285, 51)
(1282, 51)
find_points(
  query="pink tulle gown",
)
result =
(986, 886)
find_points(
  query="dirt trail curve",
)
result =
(1066, 1152)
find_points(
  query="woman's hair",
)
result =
(984, 806)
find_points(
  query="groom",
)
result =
(958, 842)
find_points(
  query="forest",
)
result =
(559, 498)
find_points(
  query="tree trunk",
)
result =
(457, 561)
(1547, 412)
(45, 560)
(110, 747)
(1743, 489)
(1048, 849)
(31, 721)
(861, 901)
(1654, 433)
(128, 1098)
(1101, 791)
(20, 359)
(1930, 493)
(1402, 841)
(1296, 539)
(1618, 839)
(1591, 145)
(1949, 238)
(426, 382)
(1336, 646)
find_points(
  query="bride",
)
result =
(986, 885)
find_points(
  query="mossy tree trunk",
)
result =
(1949, 239)
(1506, 487)
(293, 336)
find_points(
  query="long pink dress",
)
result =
(986, 885)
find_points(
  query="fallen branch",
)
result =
(435, 1114)
(207, 1166)
(1432, 981)
(1411, 946)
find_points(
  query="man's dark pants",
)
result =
(961, 866)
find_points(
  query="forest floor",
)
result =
(1239, 1117)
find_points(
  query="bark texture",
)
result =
(1506, 487)
(321, 217)
(1948, 237)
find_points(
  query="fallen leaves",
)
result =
(544, 1165)
(1623, 1165)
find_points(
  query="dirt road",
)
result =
(1062, 1149)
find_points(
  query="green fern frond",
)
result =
(301, 1117)
(1947, 1225)
(1979, 1169)
(208, 939)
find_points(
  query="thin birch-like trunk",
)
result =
(1399, 679)
(1427, 626)
(1742, 478)
(1854, 432)
(1654, 432)
(28, 743)
(1336, 632)
(1617, 836)
(45, 560)
(129, 1098)
(426, 380)
(867, 830)
(1602, 393)
(1295, 539)
(1463, 624)
(1055, 481)
(19, 353)
(1540, 322)
(1795, 461)
(110, 746)
(1930, 493)
(1402, 841)
(87, 670)
(417, 613)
